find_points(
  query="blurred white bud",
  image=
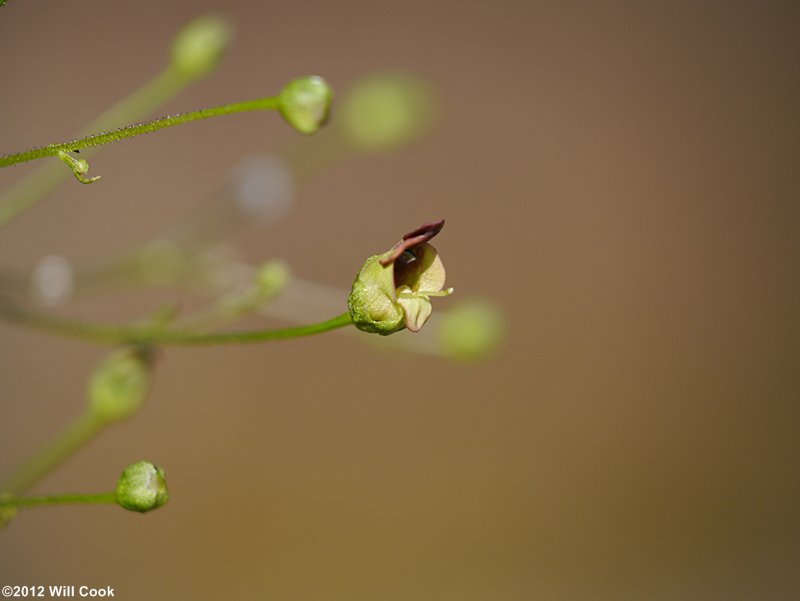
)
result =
(263, 187)
(53, 280)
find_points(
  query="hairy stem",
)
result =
(268, 103)
(143, 101)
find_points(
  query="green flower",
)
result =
(392, 291)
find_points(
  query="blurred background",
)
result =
(620, 182)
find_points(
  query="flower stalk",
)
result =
(304, 103)
(147, 335)
(197, 49)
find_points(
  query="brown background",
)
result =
(620, 177)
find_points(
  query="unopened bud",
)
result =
(271, 278)
(305, 103)
(142, 487)
(119, 386)
(385, 111)
(471, 330)
(199, 46)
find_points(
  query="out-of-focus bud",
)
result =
(384, 111)
(53, 280)
(392, 291)
(119, 386)
(263, 187)
(268, 281)
(199, 46)
(305, 103)
(142, 487)
(471, 330)
(271, 278)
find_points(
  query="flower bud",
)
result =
(199, 46)
(271, 278)
(142, 487)
(384, 111)
(305, 103)
(119, 386)
(471, 330)
(392, 291)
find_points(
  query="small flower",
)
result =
(142, 487)
(392, 291)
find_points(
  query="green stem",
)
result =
(36, 185)
(63, 499)
(268, 103)
(77, 434)
(148, 335)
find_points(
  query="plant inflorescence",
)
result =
(392, 291)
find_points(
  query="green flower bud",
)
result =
(119, 386)
(199, 46)
(384, 111)
(305, 103)
(471, 330)
(392, 291)
(142, 487)
(271, 278)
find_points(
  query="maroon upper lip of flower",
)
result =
(413, 238)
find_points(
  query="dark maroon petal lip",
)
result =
(413, 238)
